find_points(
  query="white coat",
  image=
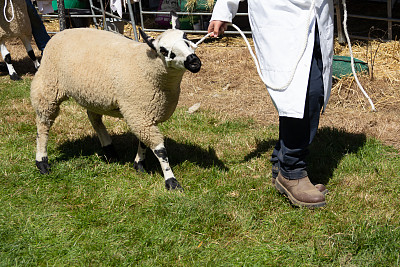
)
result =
(283, 34)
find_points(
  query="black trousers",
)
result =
(38, 30)
(295, 135)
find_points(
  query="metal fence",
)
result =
(338, 13)
(98, 13)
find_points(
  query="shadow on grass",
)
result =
(329, 147)
(327, 150)
(126, 146)
(22, 67)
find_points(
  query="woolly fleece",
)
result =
(108, 74)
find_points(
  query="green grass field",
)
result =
(89, 212)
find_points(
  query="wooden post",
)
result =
(389, 16)
(61, 14)
(341, 38)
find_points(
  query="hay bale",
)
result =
(197, 5)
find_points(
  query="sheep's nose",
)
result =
(193, 63)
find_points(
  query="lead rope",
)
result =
(5, 11)
(276, 88)
(168, 58)
(302, 53)
(352, 57)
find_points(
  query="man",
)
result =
(38, 30)
(294, 45)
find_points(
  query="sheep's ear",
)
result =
(149, 40)
(175, 20)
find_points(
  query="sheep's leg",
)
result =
(42, 161)
(150, 136)
(140, 157)
(46, 100)
(46, 115)
(27, 43)
(7, 59)
(161, 153)
(104, 137)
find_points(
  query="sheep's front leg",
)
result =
(161, 153)
(7, 59)
(27, 43)
(140, 157)
(150, 136)
(104, 137)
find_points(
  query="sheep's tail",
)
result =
(5, 11)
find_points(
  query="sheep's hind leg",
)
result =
(7, 59)
(27, 43)
(170, 182)
(46, 112)
(42, 161)
(46, 100)
(105, 139)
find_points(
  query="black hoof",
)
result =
(43, 166)
(172, 184)
(110, 153)
(15, 77)
(139, 166)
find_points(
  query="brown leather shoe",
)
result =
(300, 192)
(321, 188)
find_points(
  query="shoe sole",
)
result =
(296, 202)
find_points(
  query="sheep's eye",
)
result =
(165, 52)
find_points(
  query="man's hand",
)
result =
(217, 27)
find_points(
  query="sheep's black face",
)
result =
(192, 63)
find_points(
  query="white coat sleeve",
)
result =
(225, 10)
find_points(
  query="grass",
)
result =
(88, 212)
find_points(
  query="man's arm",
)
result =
(223, 13)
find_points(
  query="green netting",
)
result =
(342, 66)
(71, 4)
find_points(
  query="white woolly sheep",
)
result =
(14, 22)
(109, 74)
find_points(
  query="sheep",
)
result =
(109, 74)
(14, 22)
